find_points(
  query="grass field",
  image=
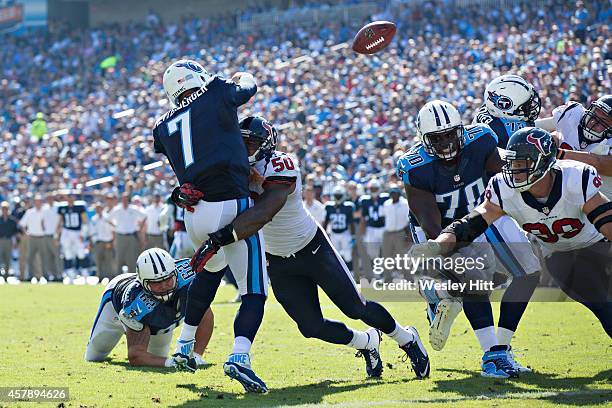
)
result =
(45, 330)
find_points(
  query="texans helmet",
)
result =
(596, 124)
(530, 153)
(260, 130)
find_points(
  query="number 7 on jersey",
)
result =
(185, 120)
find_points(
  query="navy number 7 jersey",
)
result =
(202, 140)
(457, 185)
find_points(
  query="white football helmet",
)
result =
(339, 192)
(156, 265)
(181, 76)
(511, 97)
(440, 129)
(374, 187)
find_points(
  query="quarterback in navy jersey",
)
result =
(147, 306)
(511, 103)
(339, 223)
(201, 139)
(445, 177)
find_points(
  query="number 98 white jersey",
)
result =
(292, 227)
(559, 223)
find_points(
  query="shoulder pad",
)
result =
(581, 179)
(482, 116)
(184, 272)
(365, 198)
(282, 165)
(329, 205)
(572, 111)
(415, 157)
(136, 303)
(349, 204)
(475, 132)
(383, 196)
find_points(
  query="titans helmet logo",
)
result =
(501, 101)
(190, 66)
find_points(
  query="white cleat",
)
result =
(42, 281)
(515, 364)
(92, 280)
(104, 281)
(67, 280)
(2, 280)
(34, 281)
(445, 315)
(11, 280)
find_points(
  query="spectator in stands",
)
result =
(39, 127)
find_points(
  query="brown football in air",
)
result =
(374, 37)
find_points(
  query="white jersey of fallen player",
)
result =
(292, 227)
(559, 223)
(567, 118)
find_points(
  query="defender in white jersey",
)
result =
(302, 259)
(557, 200)
(585, 130)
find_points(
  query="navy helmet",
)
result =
(260, 130)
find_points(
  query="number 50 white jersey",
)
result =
(292, 227)
(559, 223)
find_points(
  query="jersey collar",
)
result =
(553, 197)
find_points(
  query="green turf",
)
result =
(45, 330)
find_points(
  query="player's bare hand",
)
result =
(256, 177)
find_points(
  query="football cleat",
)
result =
(183, 356)
(238, 367)
(371, 354)
(418, 355)
(445, 314)
(515, 364)
(495, 364)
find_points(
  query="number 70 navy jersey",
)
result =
(202, 140)
(458, 185)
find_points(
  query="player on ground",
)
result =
(339, 223)
(445, 176)
(302, 258)
(201, 139)
(147, 306)
(72, 231)
(585, 130)
(558, 201)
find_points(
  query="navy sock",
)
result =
(477, 309)
(202, 291)
(249, 316)
(515, 299)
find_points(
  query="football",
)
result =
(374, 37)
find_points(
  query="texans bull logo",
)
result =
(543, 144)
(501, 101)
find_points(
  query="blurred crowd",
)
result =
(78, 105)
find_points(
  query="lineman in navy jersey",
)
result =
(511, 103)
(146, 307)
(339, 223)
(72, 231)
(558, 201)
(444, 178)
(201, 139)
(302, 258)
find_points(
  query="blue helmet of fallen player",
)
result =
(258, 132)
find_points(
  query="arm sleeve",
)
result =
(241, 93)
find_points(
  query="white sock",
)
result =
(504, 336)
(486, 337)
(188, 333)
(242, 345)
(401, 335)
(360, 340)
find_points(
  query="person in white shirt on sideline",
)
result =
(33, 224)
(153, 234)
(51, 259)
(396, 238)
(128, 221)
(103, 235)
(314, 206)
